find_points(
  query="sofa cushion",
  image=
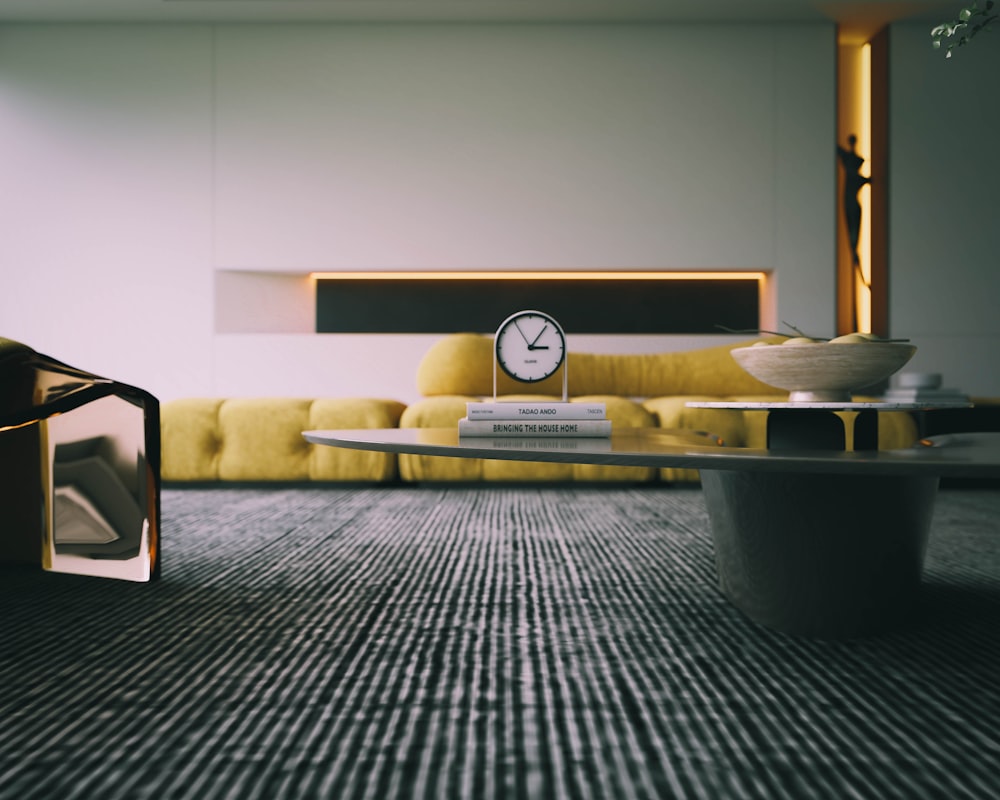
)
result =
(672, 413)
(462, 364)
(340, 464)
(190, 440)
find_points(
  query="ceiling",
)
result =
(872, 14)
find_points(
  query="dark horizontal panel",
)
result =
(583, 306)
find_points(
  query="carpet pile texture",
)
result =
(466, 642)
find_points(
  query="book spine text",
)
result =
(535, 411)
(530, 428)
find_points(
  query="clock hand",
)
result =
(522, 334)
(532, 346)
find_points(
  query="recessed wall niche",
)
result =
(591, 303)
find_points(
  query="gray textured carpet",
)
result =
(475, 643)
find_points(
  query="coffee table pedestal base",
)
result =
(820, 555)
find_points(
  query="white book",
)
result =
(535, 411)
(532, 428)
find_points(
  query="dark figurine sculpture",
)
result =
(853, 183)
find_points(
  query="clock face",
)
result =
(530, 346)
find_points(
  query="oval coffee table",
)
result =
(814, 542)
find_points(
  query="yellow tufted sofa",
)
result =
(259, 439)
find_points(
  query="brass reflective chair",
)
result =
(79, 469)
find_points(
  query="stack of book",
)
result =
(924, 395)
(533, 420)
(921, 387)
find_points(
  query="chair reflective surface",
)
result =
(79, 469)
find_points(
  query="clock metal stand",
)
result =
(565, 380)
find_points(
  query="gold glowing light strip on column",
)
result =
(551, 275)
(863, 293)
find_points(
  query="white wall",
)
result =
(106, 164)
(151, 167)
(945, 206)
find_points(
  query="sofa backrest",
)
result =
(462, 364)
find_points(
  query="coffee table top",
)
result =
(953, 455)
(851, 405)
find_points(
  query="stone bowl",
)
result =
(823, 372)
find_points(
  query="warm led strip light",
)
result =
(864, 145)
(522, 275)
